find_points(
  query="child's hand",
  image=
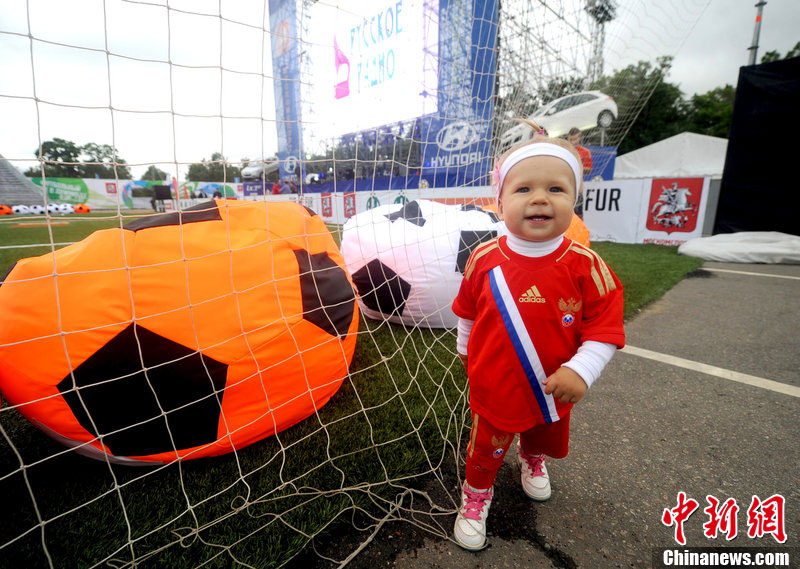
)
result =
(565, 385)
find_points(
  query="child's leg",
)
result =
(551, 439)
(487, 447)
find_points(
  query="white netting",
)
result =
(190, 84)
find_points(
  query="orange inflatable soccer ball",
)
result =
(577, 231)
(82, 208)
(237, 319)
(5, 210)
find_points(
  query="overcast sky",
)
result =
(173, 118)
(717, 46)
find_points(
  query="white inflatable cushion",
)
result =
(745, 247)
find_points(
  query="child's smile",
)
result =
(537, 198)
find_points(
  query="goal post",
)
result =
(234, 343)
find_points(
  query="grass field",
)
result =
(397, 421)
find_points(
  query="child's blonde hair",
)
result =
(537, 138)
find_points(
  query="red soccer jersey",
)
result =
(563, 299)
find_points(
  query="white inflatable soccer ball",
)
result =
(407, 260)
(52, 208)
(66, 208)
(21, 209)
(37, 209)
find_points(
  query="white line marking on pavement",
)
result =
(753, 274)
(715, 371)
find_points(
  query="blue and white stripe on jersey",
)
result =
(523, 345)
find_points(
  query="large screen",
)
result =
(373, 63)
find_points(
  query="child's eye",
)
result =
(556, 189)
(522, 190)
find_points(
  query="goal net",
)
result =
(234, 232)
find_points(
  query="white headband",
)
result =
(540, 149)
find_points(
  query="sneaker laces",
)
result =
(534, 461)
(474, 502)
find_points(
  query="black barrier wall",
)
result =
(759, 190)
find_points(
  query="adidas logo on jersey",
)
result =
(532, 295)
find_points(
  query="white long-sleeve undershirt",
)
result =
(591, 358)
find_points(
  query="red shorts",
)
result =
(488, 445)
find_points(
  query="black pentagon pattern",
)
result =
(206, 211)
(410, 212)
(310, 211)
(472, 207)
(467, 243)
(381, 289)
(8, 272)
(328, 297)
(117, 394)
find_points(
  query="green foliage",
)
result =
(557, 88)
(770, 56)
(664, 112)
(774, 55)
(711, 113)
(65, 159)
(794, 52)
(153, 174)
(217, 169)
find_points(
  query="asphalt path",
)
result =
(706, 424)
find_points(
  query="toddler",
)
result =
(539, 318)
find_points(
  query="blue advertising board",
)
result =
(286, 72)
(256, 188)
(456, 140)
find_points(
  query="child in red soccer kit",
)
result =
(539, 318)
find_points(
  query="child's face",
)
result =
(537, 198)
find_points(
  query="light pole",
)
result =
(602, 12)
(756, 32)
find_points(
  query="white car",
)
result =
(258, 170)
(584, 110)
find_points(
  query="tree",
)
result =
(65, 159)
(217, 169)
(102, 162)
(61, 159)
(153, 174)
(774, 55)
(649, 107)
(711, 113)
(557, 88)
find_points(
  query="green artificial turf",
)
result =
(396, 422)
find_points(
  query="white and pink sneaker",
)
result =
(470, 527)
(535, 481)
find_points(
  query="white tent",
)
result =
(685, 154)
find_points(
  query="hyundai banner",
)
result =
(286, 72)
(456, 139)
